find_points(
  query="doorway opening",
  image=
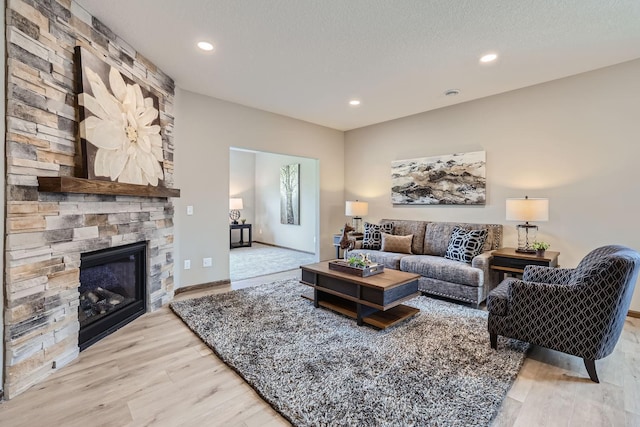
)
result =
(278, 222)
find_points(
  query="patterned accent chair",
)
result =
(577, 311)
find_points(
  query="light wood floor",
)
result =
(154, 371)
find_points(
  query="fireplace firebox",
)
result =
(112, 290)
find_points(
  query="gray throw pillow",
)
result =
(464, 245)
(373, 234)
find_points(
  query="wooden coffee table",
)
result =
(374, 300)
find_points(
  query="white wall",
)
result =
(242, 179)
(205, 129)
(573, 140)
(268, 228)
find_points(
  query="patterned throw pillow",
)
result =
(464, 245)
(398, 244)
(373, 234)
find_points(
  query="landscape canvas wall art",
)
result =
(290, 194)
(454, 179)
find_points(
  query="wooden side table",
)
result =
(242, 243)
(508, 261)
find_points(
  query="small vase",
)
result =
(540, 252)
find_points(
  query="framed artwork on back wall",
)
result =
(290, 194)
(454, 179)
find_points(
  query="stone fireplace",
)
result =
(51, 233)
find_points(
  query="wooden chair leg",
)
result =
(493, 338)
(591, 369)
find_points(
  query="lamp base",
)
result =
(526, 236)
(234, 216)
(356, 223)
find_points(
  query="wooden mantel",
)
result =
(68, 184)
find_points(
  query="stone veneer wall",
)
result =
(47, 232)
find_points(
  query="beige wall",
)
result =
(206, 128)
(573, 140)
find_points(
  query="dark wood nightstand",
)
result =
(508, 261)
(242, 243)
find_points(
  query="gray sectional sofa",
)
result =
(469, 283)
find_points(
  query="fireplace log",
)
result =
(111, 297)
(92, 297)
(98, 301)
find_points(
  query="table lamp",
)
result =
(235, 204)
(527, 210)
(356, 210)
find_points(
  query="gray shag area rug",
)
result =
(259, 260)
(318, 368)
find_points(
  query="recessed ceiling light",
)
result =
(354, 102)
(205, 46)
(489, 57)
(452, 92)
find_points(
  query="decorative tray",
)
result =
(365, 271)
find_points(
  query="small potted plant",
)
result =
(360, 261)
(540, 247)
(243, 220)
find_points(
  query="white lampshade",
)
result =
(527, 209)
(356, 208)
(235, 203)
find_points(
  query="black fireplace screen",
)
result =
(112, 290)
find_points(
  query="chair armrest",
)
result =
(498, 298)
(542, 274)
(533, 289)
(549, 301)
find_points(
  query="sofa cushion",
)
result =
(464, 245)
(405, 227)
(437, 235)
(373, 234)
(440, 268)
(399, 244)
(388, 259)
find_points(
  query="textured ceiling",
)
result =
(307, 58)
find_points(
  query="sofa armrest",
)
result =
(481, 261)
(542, 274)
(491, 278)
